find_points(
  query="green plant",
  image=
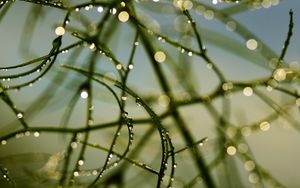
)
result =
(108, 125)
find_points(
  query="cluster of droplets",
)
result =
(4, 173)
(35, 134)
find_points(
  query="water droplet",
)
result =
(20, 115)
(175, 165)
(59, 31)
(93, 47)
(264, 126)
(90, 122)
(186, 5)
(76, 173)
(231, 26)
(269, 88)
(84, 94)
(231, 150)
(251, 44)
(81, 162)
(243, 148)
(100, 9)
(209, 14)
(125, 114)
(130, 66)
(209, 65)
(94, 172)
(138, 101)
(246, 131)
(190, 54)
(249, 165)
(113, 11)
(74, 145)
(248, 91)
(163, 100)
(160, 56)
(36, 134)
(119, 66)
(123, 16)
(87, 8)
(227, 86)
(3, 142)
(124, 98)
(253, 178)
(279, 74)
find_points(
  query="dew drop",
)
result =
(253, 178)
(246, 131)
(59, 31)
(84, 94)
(123, 16)
(100, 9)
(249, 165)
(74, 145)
(138, 101)
(231, 150)
(248, 91)
(125, 114)
(90, 122)
(92, 47)
(20, 115)
(209, 14)
(87, 8)
(264, 126)
(119, 66)
(76, 173)
(243, 148)
(36, 134)
(209, 65)
(279, 74)
(187, 5)
(160, 56)
(81, 162)
(113, 11)
(231, 26)
(94, 172)
(251, 44)
(3, 142)
(130, 66)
